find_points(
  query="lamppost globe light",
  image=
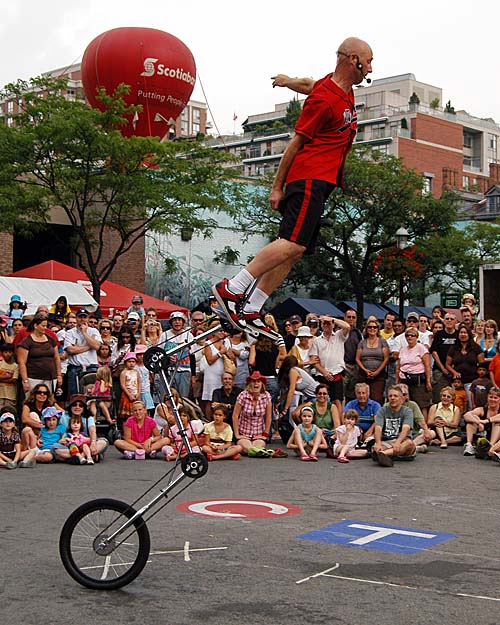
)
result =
(402, 236)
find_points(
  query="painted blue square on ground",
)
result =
(377, 537)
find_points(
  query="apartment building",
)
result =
(401, 116)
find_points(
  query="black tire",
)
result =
(121, 562)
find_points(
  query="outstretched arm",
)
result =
(299, 85)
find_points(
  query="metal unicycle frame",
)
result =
(105, 543)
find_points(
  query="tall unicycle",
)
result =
(104, 544)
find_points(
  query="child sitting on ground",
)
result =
(347, 438)
(77, 442)
(193, 428)
(102, 389)
(219, 445)
(50, 434)
(11, 455)
(307, 437)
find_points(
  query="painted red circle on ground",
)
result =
(239, 508)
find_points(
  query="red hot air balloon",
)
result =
(159, 68)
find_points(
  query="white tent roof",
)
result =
(36, 292)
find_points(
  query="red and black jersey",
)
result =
(328, 121)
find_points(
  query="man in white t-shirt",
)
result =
(81, 343)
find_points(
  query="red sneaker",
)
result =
(230, 304)
(256, 325)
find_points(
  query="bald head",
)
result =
(354, 62)
(353, 45)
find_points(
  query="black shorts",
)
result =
(302, 208)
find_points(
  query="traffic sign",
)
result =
(239, 508)
(377, 537)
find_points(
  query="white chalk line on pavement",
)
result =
(375, 582)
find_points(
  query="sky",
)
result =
(239, 46)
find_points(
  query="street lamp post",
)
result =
(402, 241)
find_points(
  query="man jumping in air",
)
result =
(310, 168)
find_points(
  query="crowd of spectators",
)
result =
(388, 389)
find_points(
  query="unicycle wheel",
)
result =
(89, 553)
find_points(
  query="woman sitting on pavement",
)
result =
(141, 436)
(39, 398)
(485, 422)
(252, 414)
(326, 415)
(444, 417)
(77, 407)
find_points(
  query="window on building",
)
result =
(465, 182)
(184, 128)
(427, 185)
(492, 142)
(10, 106)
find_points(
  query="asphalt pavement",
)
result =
(352, 544)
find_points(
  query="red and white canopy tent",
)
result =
(113, 296)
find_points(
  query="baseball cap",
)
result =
(137, 299)
(81, 312)
(413, 316)
(7, 415)
(177, 314)
(133, 315)
(295, 319)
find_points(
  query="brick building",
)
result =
(401, 116)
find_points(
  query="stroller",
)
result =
(103, 428)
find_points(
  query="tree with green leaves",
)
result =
(359, 224)
(62, 154)
(293, 111)
(452, 262)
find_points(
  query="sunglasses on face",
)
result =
(78, 404)
(372, 327)
(42, 393)
(151, 315)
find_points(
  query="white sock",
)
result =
(256, 302)
(240, 282)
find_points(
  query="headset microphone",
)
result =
(360, 67)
